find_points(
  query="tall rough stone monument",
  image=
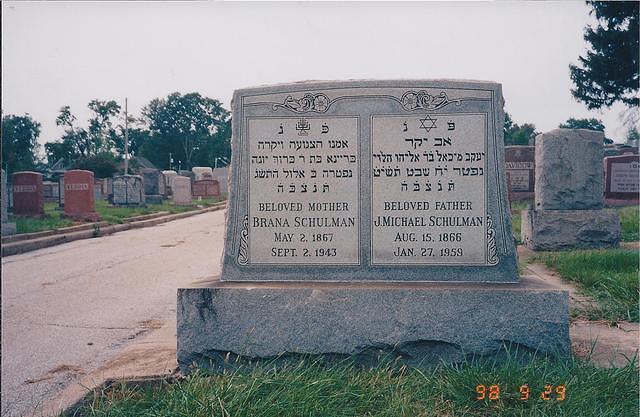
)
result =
(569, 194)
(153, 185)
(368, 217)
(7, 228)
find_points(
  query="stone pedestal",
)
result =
(549, 230)
(421, 322)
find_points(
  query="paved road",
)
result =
(68, 309)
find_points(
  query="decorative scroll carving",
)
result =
(243, 253)
(492, 252)
(318, 103)
(413, 100)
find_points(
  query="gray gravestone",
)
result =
(569, 194)
(7, 228)
(181, 190)
(153, 186)
(128, 190)
(339, 189)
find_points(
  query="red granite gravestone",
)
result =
(520, 164)
(79, 199)
(205, 188)
(28, 197)
(621, 180)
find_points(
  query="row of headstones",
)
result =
(621, 173)
(80, 190)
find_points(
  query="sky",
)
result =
(69, 53)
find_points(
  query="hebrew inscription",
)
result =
(428, 176)
(303, 190)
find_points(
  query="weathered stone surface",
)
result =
(205, 188)
(222, 176)
(376, 180)
(28, 198)
(153, 199)
(421, 322)
(569, 170)
(550, 230)
(168, 175)
(128, 190)
(151, 179)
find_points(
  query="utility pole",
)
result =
(126, 138)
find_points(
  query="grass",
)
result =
(629, 222)
(311, 388)
(610, 276)
(115, 214)
(112, 214)
(52, 220)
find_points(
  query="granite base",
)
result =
(552, 230)
(226, 324)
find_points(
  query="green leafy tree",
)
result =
(633, 135)
(193, 128)
(515, 134)
(608, 71)
(19, 142)
(103, 165)
(102, 133)
(591, 124)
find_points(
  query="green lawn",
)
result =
(53, 218)
(309, 388)
(610, 276)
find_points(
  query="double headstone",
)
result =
(569, 194)
(181, 190)
(28, 194)
(7, 228)
(366, 217)
(520, 165)
(202, 173)
(79, 195)
(622, 180)
(128, 190)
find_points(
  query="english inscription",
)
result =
(303, 190)
(428, 189)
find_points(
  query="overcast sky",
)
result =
(68, 53)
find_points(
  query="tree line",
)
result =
(176, 131)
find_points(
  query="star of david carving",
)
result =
(431, 123)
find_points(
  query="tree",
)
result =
(101, 130)
(188, 126)
(19, 142)
(102, 165)
(633, 135)
(609, 70)
(591, 124)
(515, 134)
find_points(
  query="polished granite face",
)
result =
(369, 181)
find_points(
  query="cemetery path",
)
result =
(68, 309)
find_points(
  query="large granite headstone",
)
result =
(128, 190)
(622, 178)
(28, 196)
(181, 190)
(368, 216)
(79, 195)
(7, 228)
(569, 194)
(520, 165)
